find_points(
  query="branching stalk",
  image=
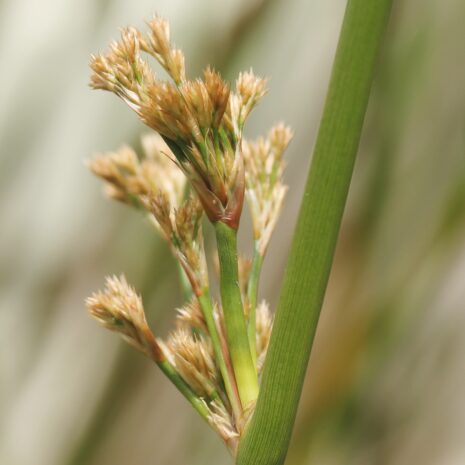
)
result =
(185, 390)
(234, 318)
(227, 374)
(252, 293)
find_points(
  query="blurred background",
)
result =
(386, 378)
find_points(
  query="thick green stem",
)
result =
(267, 436)
(227, 374)
(236, 328)
(252, 293)
(184, 388)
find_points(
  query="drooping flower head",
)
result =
(119, 309)
(133, 180)
(155, 183)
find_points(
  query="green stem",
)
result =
(236, 328)
(252, 293)
(186, 287)
(228, 376)
(267, 436)
(184, 388)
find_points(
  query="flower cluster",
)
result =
(195, 162)
(118, 308)
(157, 185)
(133, 181)
(200, 120)
(187, 351)
(265, 190)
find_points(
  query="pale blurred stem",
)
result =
(186, 287)
(266, 439)
(184, 388)
(227, 373)
(234, 318)
(252, 293)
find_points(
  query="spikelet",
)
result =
(181, 227)
(158, 45)
(118, 308)
(221, 421)
(190, 316)
(250, 90)
(133, 181)
(194, 361)
(218, 93)
(123, 71)
(265, 191)
(156, 184)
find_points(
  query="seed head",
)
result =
(181, 227)
(190, 316)
(123, 71)
(133, 181)
(250, 89)
(157, 44)
(156, 184)
(200, 120)
(194, 361)
(221, 421)
(119, 308)
(265, 191)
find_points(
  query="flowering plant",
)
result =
(215, 356)
(196, 161)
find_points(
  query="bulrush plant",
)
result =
(239, 370)
(195, 163)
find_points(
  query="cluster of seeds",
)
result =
(195, 162)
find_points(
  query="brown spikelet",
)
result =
(118, 308)
(132, 181)
(122, 70)
(198, 103)
(190, 316)
(193, 358)
(221, 421)
(218, 91)
(181, 226)
(265, 190)
(158, 44)
(250, 89)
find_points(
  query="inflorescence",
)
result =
(195, 162)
